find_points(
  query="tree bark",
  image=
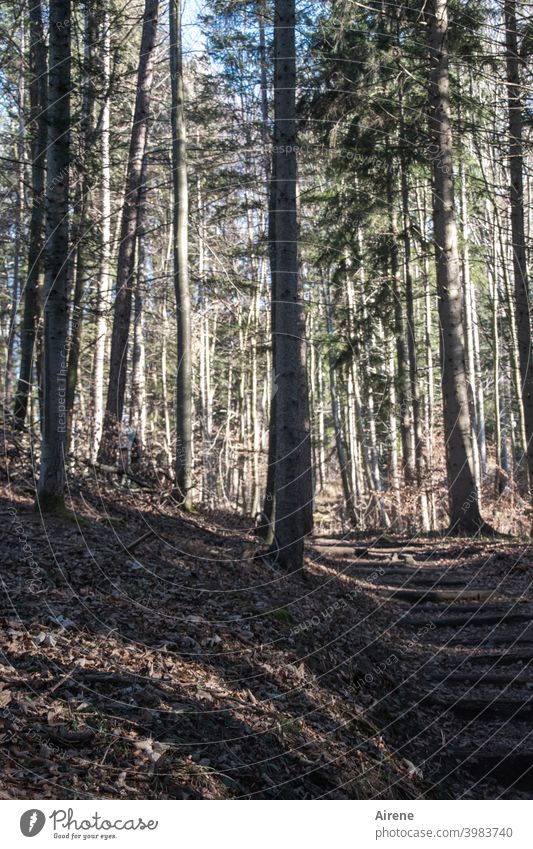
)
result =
(349, 500)
(138, 382)
(50, 491)
(516, 169)
(79, 241)
(181, 264)
(463, 494)
(34, 278)
(293, 449)
(103, 285)
(402, 361)
(128, 231)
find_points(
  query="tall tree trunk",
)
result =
(78, 249)
(480, 393)
(513, 347)
(266, 527)
(394, 477)
(499, 483)
(181, 264)
(293, 449)
(468, 316)
(18, 241)
(103, 285)
(34, 278)
(420, 454)
(269, 502)
(138, 388)
(164, 381)
(349, 500)
(463, 494)
(50, 490)
(516, 169)
(403, 381)
(128, 232)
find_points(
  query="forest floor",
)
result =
(186, 665)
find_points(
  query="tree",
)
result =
(180, 261)
(293, 444)
(103, 284)
(50, 490)
(463, 494)
(34, 282)
(80, 259)
(128, 234)
(516, 171)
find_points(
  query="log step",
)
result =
(468, 707)
(439, 596)
(490, 679)
(472, 621)
(344, 552)
(508, 658)
(414, 579)
(513, 768)
(492, 640)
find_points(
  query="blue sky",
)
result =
(193, 41)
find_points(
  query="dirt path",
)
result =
(195, 668)
(460, 620)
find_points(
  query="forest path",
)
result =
(159, 655)
(461, 619)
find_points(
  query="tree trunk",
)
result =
(420, 454)
(138, 389)
(103, 285)
(499, 483)
(266, 528)
(18, 241)
(516, 168)
(463, 495)
(34, 278)
(513, 347)
(293, 449)
(128, 232)
(403, 382)
(469, 318)
(181, 267)
(79, 242)
(50, 492)
(349, 501)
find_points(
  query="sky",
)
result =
(193, 40)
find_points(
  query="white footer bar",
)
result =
(268, 825)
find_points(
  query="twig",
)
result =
(130, 548)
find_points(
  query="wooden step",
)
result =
(332, 552)
(514, 768)
(468, 707)
(493, 640)
(507, 658)
(490, 679)
(415, 579)
(438, 596)
(473, 620)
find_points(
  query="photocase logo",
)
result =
(32, 822)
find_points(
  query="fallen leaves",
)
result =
(167, 676)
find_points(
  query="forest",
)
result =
(266, 399)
